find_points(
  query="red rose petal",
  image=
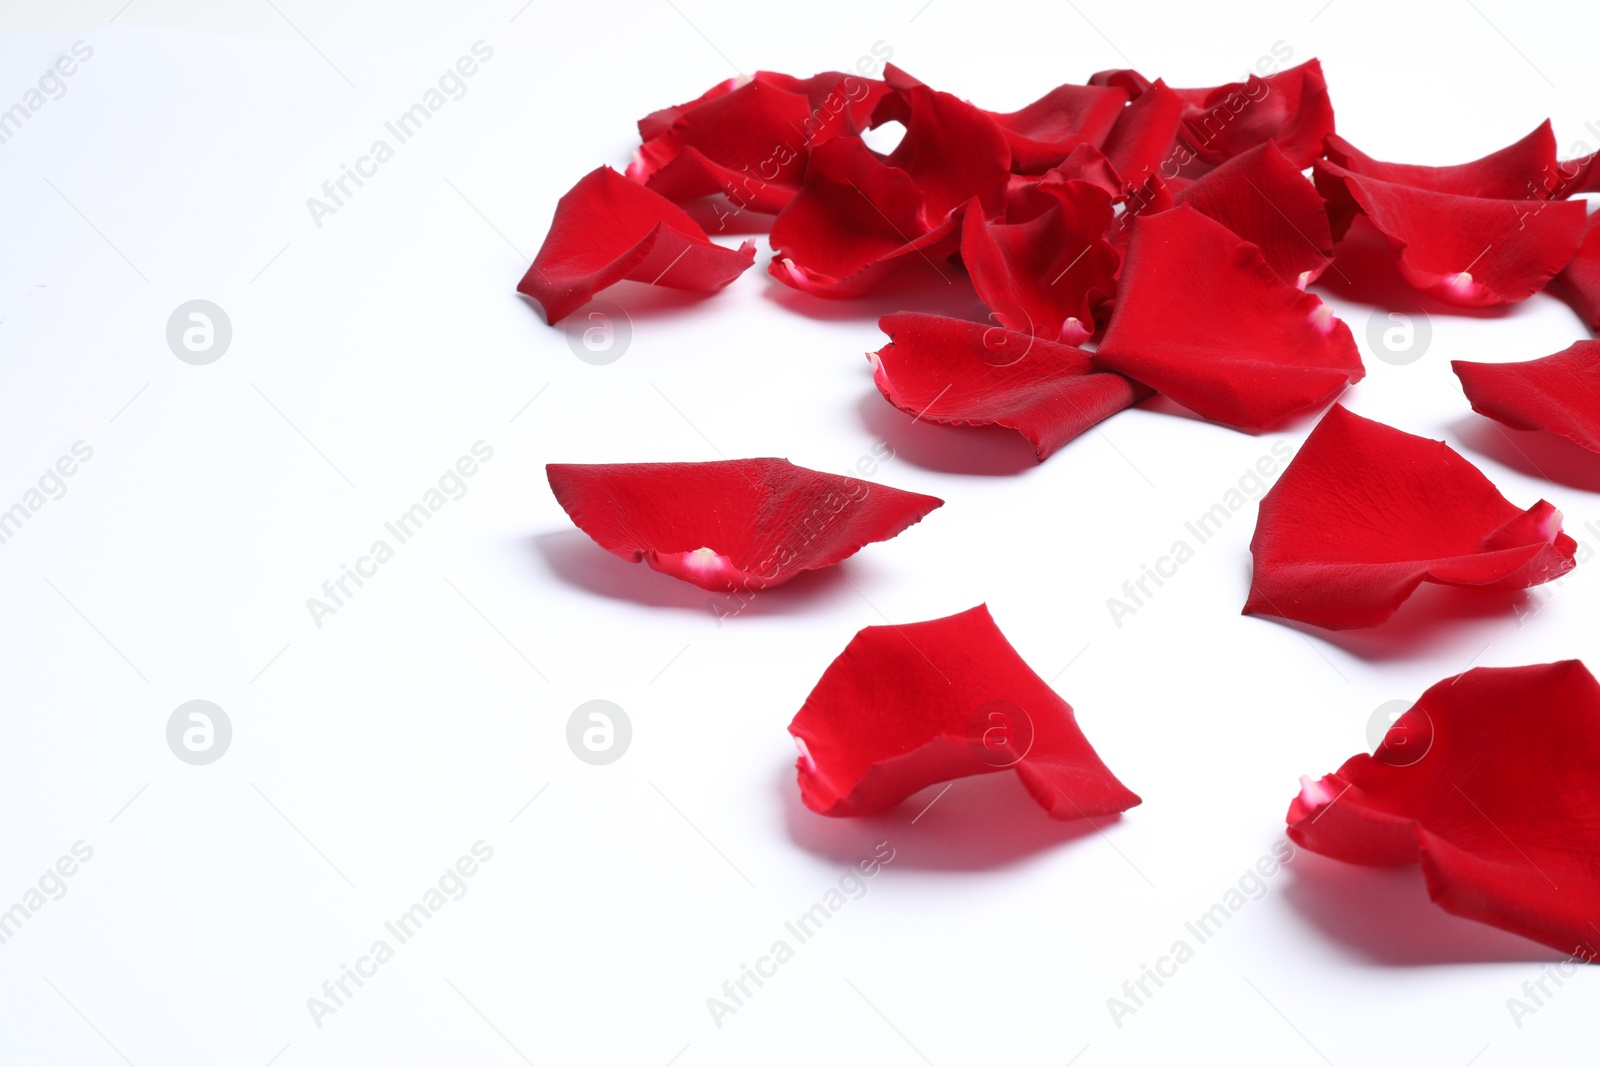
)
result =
(952, 151)
(1202, 318)
(1365, 513)
(1290, 108)
(904, 707)
(1559, 393)
(1142, 141)
(862, 92)
(731, 524)
(1463, 250)
(1580, 279)
(1045, 276)
(1489, 782)
(607, 229)
(1042, 134)
(967, 374)
(1518, 171)
(854, 221)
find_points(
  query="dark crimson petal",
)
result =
(1579, 280)
(1559, 393)
(607, 229)
(1129, 81)
(1202, 318)
(1263, 197)
(860, 93)
(1290, 107)
(731, 524)
(904, 707)
(1045, 276)
(1489, 782)
(1086, 163)
(951, 150)
(1042, 134)
(1464, 250)
(854, 221)
(967, 374)
(1144, 140)
(1520, 171)
(750, 145)
(657, 123)
(1365, 513)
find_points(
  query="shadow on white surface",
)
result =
(981, 823)
(1383, 915)
(575, 560)
(932, 287)
(1536, 453)
(1365, 271)
(993, 450)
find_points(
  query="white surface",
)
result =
(368, 754)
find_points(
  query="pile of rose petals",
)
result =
(1130, 239)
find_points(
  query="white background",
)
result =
(368, 754)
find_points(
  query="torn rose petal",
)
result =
(731, 524)
(905, 707)
(1559, 393)
(961, 373)
(607, 229)
(1500, 810)
(1365, 513)
(1203, 319)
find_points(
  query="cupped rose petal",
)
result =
(862, 93)
(1489, 782)
(1524, 170)
(905, 707)
(750, 145)
(854, 221)
(952, 151)
(1579, 280)
(1042, 134)
(1290, 107)
(1045, 276)
(607, 229)
(1202, 318)
(1143, 142)
(731, 524)
(962, 373)
(1463, 250)
(1559, 393)
(1264, 198)
(1365, 513)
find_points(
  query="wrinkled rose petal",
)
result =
(1579, 280)
(961, 373)
(607, 229)
(1559, 393)
(1042, 134)
(1490, 783)
(1365, 513)
(1202, 318)
(905, 707)
(1142, 142)
(952, 151)
(854, 221)
(1045, 276)
(1290, 108)
(731, 524)
(1462, 250)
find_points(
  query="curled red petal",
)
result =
(816, 89)
(854, 221)
(731, 524)
(1365, 513)
(952, 151)
(1202, 318)
(607, 229)
(657, 123)
(1499, 805)
(1045, 132)
(1143, 142)
(1559, 393)
(1045, 276)
(1264, 198)
(1579, 280)
(1524, 170)
(967, 374)
(904, 707)
(1290, 107)
(1463, 250)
